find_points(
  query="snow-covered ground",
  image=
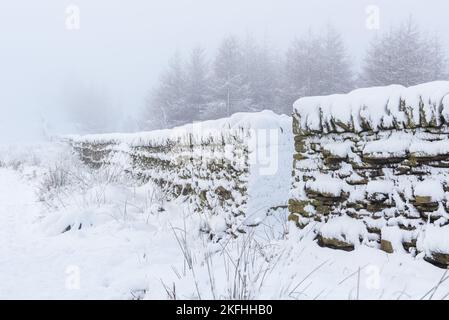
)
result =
(127, 242)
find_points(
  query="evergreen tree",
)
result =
(316, 65)
(198, 95)
(403, 56)
(231, 92)
(166, 104)
(337, 76)
(260, 74)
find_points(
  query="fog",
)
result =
(121, 47)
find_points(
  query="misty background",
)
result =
(51, 76)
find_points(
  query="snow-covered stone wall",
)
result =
(372, 167)
(210, 164)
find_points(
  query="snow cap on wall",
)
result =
(376, 108)
(238, 123)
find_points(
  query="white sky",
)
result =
(122, 46)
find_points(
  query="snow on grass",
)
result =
(126, 241)
(136, 255)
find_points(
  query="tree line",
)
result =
(247, 75)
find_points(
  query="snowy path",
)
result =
(17, 209)
(106, 262)
(32, 265)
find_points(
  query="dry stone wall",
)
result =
(372, 167)
(197, 170)
(207, 164)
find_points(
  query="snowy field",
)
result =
(127, 242)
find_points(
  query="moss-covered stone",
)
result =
(298, 207)
(378, 207)
(373, 230)
(223, 193)
(358, 205)
(334, 243)
(382, 160)
(295, 125)
(401, 170)
(386, 246)
(411, 161)
(324, 196)
(299, 156)
(296, 219)
(299, 144)
(408, 245)
(423, 200)
(322, 208)
(357, 182)
(438, 259)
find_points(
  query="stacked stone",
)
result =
(389, 178)
(211, 174)
(93, 154)
(212, 182)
